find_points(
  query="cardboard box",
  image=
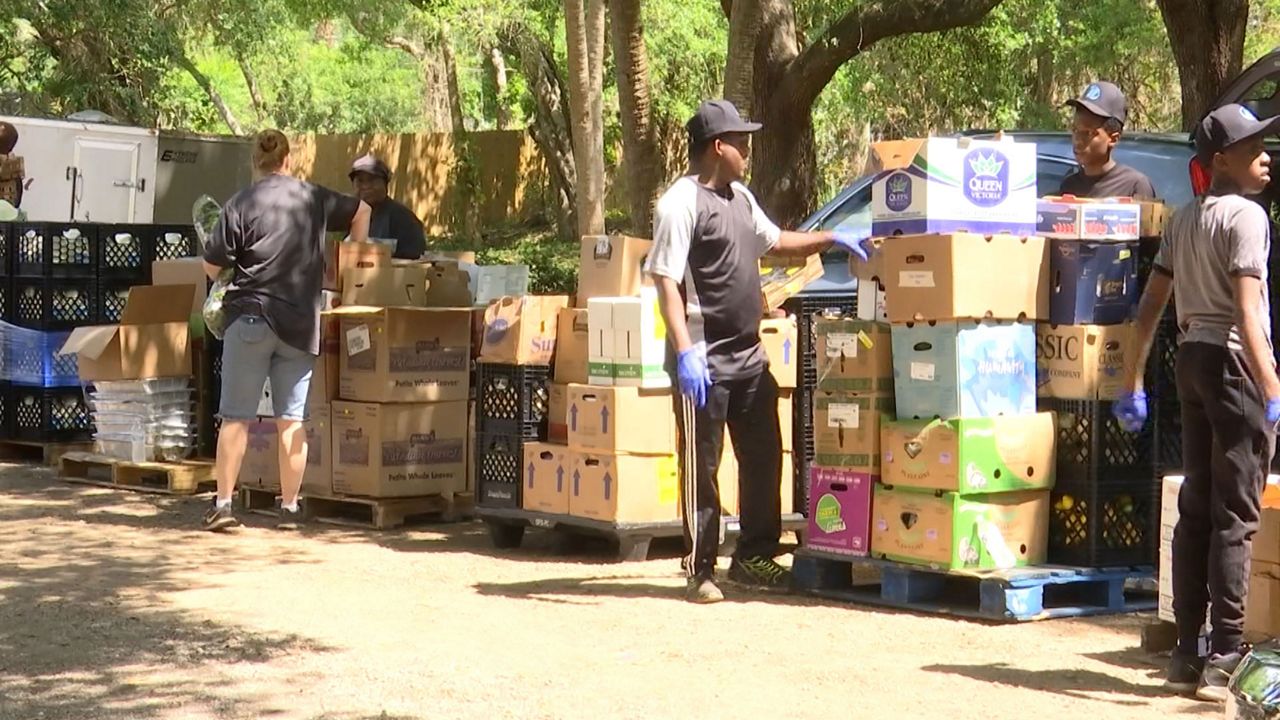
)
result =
(183, 271)
(943, 277)
(780, 338)
(260, 468)
(1093, 283)
(522, 331)
(727, 479)
(640, 341)
(558, 413)
(846, 430)
(853, 356)
(872, 304)
(1154, 217)
(621, 419)
(1169, 489)
(972, 456)
(786, 419)
(324, 378)
(611, 266)
(403, 354)
(354, 256)
(153, 338)
(399, 450)
(386, 286)
(1071, 218)
(1266, 543)
(782, 278)
(601, 341)
(547, 473)
(952, 185)
(625, 488)
(447, 286)
(572, 345)
(317, 479)
(964, 369)
(952, 532)
(1082, 362)
(1262, 608)
(840, 511)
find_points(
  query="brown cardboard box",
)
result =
(571, 346)
(780, 339)
(1262, 608)
(260, 468)
(152, 340)
(971, 455)
(846, 430)
(324, 378)
(783, 277)
(558, 413)
(786, 419)
(183, 271)
(522, 330)
(871, 286)
(1153, 219)
(386, 286)
(317, 479)
(727, 478)
(611, 266)
(624, 488)
(962, 275)
(447, 286)
(621, 419)
(984, 532)
(353, 256)
(399, 450)
(403, 354)
(1082, 362)
(548, 472)
(1266, 543)
(854, 356)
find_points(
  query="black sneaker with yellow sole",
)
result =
(759, 572)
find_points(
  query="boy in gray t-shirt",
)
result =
(1213, 259)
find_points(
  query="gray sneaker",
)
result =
(1217, 673)
(220, 519)
(702, 590)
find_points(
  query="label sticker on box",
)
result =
(922, 371)
(915, 279)
(358, 340)
(842, 415)
(845, 344)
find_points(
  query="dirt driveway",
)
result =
(112, 606)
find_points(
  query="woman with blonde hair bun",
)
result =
(272, 236)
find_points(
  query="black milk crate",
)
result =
(6, 414)
(55, 250)
(513, 399)
(1105, 523)
(53, 303)
(7, 231)
(1091, 443)
(31, 358)
(1160, 380)
(1166, 428)
(111, 300)
(499, 470)
(6, 298)
(59, 414)
(171, 242)
(124, 254)
(209, 391)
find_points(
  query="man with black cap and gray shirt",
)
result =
(708, 237)
(1100, 115)
(390, 220)
(1213, 259)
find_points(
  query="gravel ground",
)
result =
(113, 606)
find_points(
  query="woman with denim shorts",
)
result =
(272, 235)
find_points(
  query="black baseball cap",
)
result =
(370, 165)
(1228, 125)
(1103, 99)
(715, 118)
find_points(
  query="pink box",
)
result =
(840, 510)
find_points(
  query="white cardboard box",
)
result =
(640, 341)
(600, 345)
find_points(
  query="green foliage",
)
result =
(553, 264)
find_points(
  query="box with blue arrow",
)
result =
(621, 488)
(547, 472)
(621, 420)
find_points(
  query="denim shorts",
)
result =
(251, 353)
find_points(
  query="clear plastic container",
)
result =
(149, 386)
(175, 404)
(133, 449)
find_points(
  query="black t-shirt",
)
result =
(1119, 181)
(273, 234)
(393, 221)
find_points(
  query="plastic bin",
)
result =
(55, 250)
(512, 399)
(54, 303)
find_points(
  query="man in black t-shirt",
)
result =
(1100, 115)
(391, 220)
(708, 236)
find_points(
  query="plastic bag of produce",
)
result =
(204, 214)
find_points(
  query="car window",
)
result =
(853, 214)
(1050, 173)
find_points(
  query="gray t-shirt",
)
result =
(1207, 243)
(711, 242)
(273, 234)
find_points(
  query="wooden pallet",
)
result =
(371, 513)
(49, 454)
(180, 478)
(1017, 595)
(507, 527)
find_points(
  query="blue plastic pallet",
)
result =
(1018, 595)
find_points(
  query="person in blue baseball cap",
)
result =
(1100, 115)
(1214, 260)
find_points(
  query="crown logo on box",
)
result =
(898, 183)
(986, 165)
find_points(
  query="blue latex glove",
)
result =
(1273, 411)
(854, 243)
(694, 375)
(1131, 410)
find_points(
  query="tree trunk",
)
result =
(744, 30)
(584, 31)
(255, 91)
(499, 63)
(1207, 37)
(214, 96)
(639, 135)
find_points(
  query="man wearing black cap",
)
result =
(1213, 259)
(709, 234)
(1100, 115)
(391, 220)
